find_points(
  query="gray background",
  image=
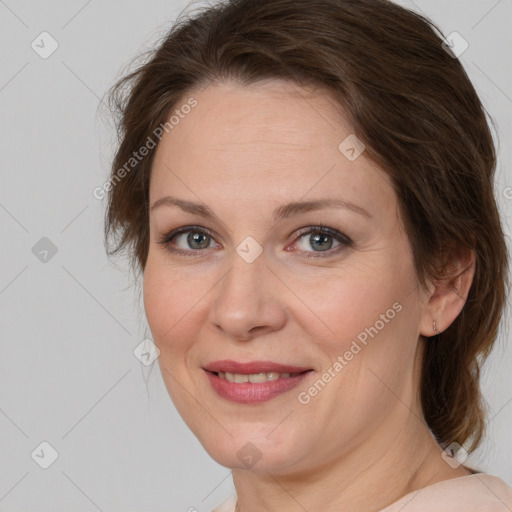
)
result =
(68, 375)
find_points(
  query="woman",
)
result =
(307, 189)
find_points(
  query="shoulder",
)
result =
(479, 492)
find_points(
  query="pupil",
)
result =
(322, 239)
(195, 238)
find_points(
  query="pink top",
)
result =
(479, 492)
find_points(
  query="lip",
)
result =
(230, 366)
(254, 393)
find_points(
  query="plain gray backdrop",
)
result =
(71, 319)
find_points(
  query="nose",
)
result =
(247, 302)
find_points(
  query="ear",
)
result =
(447, 298)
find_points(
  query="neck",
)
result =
(392, 463)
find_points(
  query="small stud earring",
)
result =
(435, 326)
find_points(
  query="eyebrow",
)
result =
(280, 213)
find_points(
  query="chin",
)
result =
(256, 453)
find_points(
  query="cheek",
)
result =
(172, 308)
(169, 304)
(157, 302)
(375, 317)
(368, 362)
(341, 305)
(365, 325)
(176, 303)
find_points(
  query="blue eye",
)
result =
(196, 238)
(322, 238)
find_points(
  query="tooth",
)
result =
(255, 378)
(258, 377)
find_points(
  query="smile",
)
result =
(255, 378)
(253, 388)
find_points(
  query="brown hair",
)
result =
(408, 100)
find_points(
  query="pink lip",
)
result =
(254, 367)
(249, 393)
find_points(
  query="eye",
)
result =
(322, 239)
(191, 238)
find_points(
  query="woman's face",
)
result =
(255, 280)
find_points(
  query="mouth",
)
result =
(256, 378)
(257, 382)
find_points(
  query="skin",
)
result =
(244, 150)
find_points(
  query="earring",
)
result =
(435, 326)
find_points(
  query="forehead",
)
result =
(270, 113)
(268, 139)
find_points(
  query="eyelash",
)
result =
(344, 240)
